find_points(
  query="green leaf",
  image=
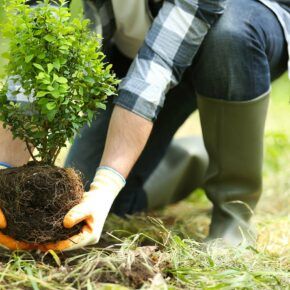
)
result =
(55, 77)
(46, 81)
(63, 88)
(64, 47)
(29, 58)
(39, 134)
(81, 91)
(50, 67)
(37, 65)
(55, 94)
(49, 38)
(56, 64)
(90, 115)
(43, 101)
(41, 94)
(50, 106)
(101, 106)
(109, 66)
(89, 80)
(41, 55)
(51, 115)
(62, 80)
(40, 76)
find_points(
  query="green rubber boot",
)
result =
(233, 134)
(179, 173)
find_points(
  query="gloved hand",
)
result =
(8, 242)
(93, 209)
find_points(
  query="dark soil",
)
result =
(138, 267)
(35, 198)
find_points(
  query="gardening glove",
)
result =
(93, 210)
(9, 243)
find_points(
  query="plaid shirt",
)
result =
(169, 48)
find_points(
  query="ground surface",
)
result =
(163, 252)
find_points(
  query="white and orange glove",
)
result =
(93, 209)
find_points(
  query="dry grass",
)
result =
(165, 251)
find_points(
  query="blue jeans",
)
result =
(239, 58)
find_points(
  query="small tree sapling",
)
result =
(55, 81)
(58, 64)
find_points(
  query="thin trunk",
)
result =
(55, 155)
(30, 151)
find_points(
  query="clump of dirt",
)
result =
(137, 274)
(35, 198)
(145, 264)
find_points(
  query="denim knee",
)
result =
(232, 63)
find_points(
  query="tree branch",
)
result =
(30, 151)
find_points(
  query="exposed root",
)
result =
(35, 198)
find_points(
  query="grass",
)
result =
(164, 251)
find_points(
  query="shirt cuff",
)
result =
(5, 165)
(138, 105)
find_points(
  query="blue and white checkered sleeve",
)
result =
(169, 48)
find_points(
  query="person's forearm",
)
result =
(126, 139)
(13, 152)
